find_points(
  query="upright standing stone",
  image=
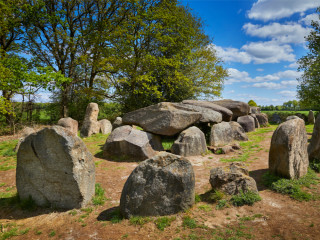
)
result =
(162, 185)
(105, 126)
(314, 146)
(288, 156)
(70, 124)
(190, 142)
(263, 119)
(117, 123)
(90, 124)
(54, 167)
(221, 134)
(247, 123)
(311, 119)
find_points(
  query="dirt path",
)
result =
(275, 217)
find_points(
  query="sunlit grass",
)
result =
(8, 157)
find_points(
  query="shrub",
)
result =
(245, 198)
(315, 165)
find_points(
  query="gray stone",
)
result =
(117, 123)
(255, 110)
(70, 124)
(190, 142)
(23, 134)
(311, 118)
(238, 132)
(275, 118)
(262, 119)
(131, 144)
(314, 146)
(55, 168)
(105, 126)
(292, 117)
(247, 123)
(90, 124)
(226, 113)
(208, 115)
(163, 118)
(256, 122)
(162, 185)
(232, 179)
(288, 156)
(238, 108)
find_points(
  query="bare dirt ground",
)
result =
(276, 216)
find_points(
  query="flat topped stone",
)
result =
(163, 118)
(208, 115)
(54, 167)
(238, 108)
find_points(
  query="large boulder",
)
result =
(255, 110)
(262, 119)
(226, 113)
(292, 117)
(314, 146)
(207, 115)
(54, 167)
(190, 142)
(238, 132)
(23, 134)
(163, 118)
(162, 185)
(238, 108)
(131, 144)
(70, 124)
(90, 124)
(275, 118)
(247, 123)
(232, 179)
(288, 156)
(105, 126)
(311, 118)
(225, 133)
(117, 123)
(256, 122)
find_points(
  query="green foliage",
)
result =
(189, 222)
(163, 222)
(314, 164)
(245, 198)
(222, 204)
(167, 143)
(116, 216)
(308, 88)
(252, 103)
(99, 197)
(138, 220)
(205, 208)
(197, 198)
(52, 233)
(292, 187)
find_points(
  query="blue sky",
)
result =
(259, 42)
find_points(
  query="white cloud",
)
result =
(281, 33)
(276, 9)
(260, 69)
(257, 52)
(293, 65)
(272, 85)
(307, 19)
(288, 93)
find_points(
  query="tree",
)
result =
(252, 103)
(309, 82)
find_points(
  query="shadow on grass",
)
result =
(111, 215)
(257, 176)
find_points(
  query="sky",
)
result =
(259, 42)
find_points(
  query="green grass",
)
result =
(167, 143)
(52, 233)
(8, 157)
(189, 222)
(205, 208)
(138, 220)
(309, 128)
(245, 198)
(222, 204)
(99, 197)
(14, 231)
(116, 216)
(295, 188)
(95, 142)
(163, 222)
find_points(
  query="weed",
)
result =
(167, 143)
(73, 212)
(245, 198)
(37, 232)
(124, 236)
(189, 222)
(197, 198)
(87, 210)
(221, 204)
(9, 234)
(164, 222)
(25, 231)
(52, 233)
(138, 220)
(99, 198)
(2, 184)
(219, 151)
(315, 165)
(116, 216)
(205, 208)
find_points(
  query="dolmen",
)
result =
(55, 168)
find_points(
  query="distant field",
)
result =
(287, 112)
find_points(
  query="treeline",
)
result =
(293, 105)
(134, 53)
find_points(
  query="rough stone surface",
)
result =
(238, 132)
(232, 179)
(90, 124)
(226, 113)
(255, 110)
(288, 156)
(208, 115)
(247, 123)
(23, 134)
(275, 118)
(190, 142)
(163, 118)
(105, 126)
(238, 108)
(263, 119)
(292, 117)
(54, 167)
(314, 146)
(117, 123)
(256, 122)
(311, 118)
(127, 143)
(70, 124)
(162, 185)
